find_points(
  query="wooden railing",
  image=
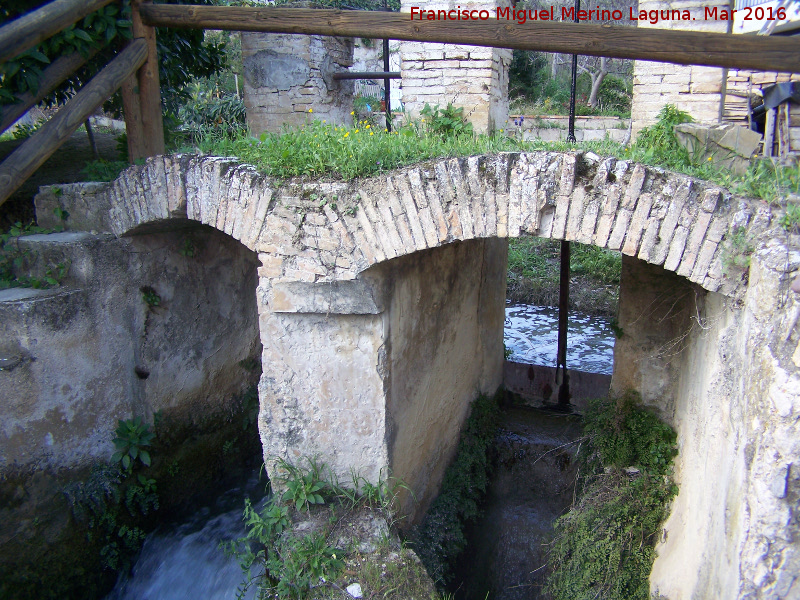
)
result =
(141, 97)
(135, 70)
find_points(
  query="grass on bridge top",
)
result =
(321, 149)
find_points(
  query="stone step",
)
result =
(65, 256)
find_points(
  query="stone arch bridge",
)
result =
(381, 309)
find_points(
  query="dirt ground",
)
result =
(64, 166)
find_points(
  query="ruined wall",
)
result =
(92, 351)
(694, 89)
(473, 77)
(76, 358)
(719, 371)
(286, 76)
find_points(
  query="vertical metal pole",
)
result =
(387, 86)
(571, 133)
(563, 310)
(387, 83)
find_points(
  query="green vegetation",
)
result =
(736, 250)
(15, 261)
(790, 221)
(446, 122)
(319, 149)
(533, 275)
(104, 170)
(440, 538)
(533, 90)
(284, 563)
(183, 54)
(658, 145)
(133, 435)
(150, 297)
(113, 502)
(604, 546)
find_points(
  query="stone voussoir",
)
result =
(662, 218)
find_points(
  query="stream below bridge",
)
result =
(531, 487)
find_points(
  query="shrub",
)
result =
(659, 144)
(604, 546)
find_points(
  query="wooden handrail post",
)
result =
(28, 157)
(141, 96)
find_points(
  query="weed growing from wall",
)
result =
(604, 546)
(116, 497)
(440, 538)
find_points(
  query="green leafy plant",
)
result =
(141, 497)
(25, 130)
(150, 297)
(303, 486)
(658, 144)
(604, 546)
(790, 220)
(449, 121)
(103, 170)
(13, 260)
(736, 250)
(133, 436)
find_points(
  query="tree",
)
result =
(95, 39)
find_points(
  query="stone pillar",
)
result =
(473, 77)
(694, 89)
(287, 76)
(376, 375)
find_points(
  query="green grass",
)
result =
(319, 149)
(348, 152)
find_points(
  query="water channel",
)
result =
(530, 489)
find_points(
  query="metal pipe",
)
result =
(573, 87)
(563, 311)
(387, 81)
(367, 75)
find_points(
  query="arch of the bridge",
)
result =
(315, 231)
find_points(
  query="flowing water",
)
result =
(531, 333)
(531, 486)
(530, 489)
(183, 561)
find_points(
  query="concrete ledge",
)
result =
(537, 384)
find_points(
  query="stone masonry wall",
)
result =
(445, 318)
(695, 89)
(724, 374)
(472, 77)
(714, 348)
(287, 76)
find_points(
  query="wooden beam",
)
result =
(149, 87)
(28, 30)
(762, 53)
(132, 110)
(24, 161)
(51, 77)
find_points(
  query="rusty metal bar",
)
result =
(367, 75)
(563, 312)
